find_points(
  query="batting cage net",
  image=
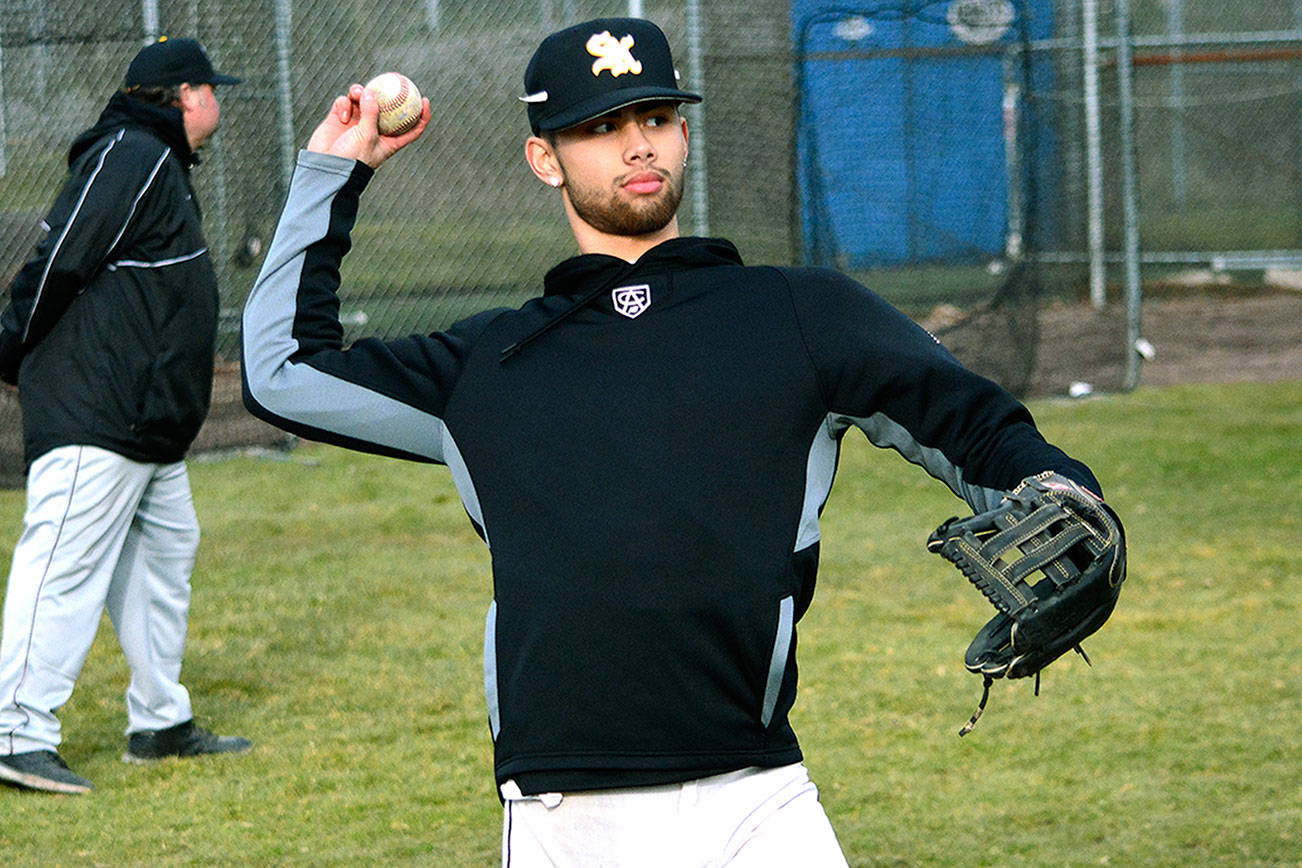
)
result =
(921, 157)
(941, 152)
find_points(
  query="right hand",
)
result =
(349, 129)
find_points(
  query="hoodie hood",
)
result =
(122, 110)
(578, 274)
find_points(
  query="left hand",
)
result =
(1051, 558)
(349, 129)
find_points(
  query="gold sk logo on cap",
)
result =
(613, 54)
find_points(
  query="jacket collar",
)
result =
(164, 122)
(576, 275)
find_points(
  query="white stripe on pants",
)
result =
(100, 530)
(753, 818)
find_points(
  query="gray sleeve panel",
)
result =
(297, 391)
(886, 433)
(490, 671)
(464, 484)
(778, 661)
(819, 470)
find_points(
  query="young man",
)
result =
(646, 449)
(109, 336)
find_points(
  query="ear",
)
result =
(186, 96)
(542, 161)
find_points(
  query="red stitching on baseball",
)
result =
(399, 98)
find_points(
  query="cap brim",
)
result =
(215, 78)
(613, 101)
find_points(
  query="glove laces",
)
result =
(985, 693)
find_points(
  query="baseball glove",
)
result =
(1051, 558)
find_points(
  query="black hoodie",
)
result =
(111, 326)
(647, 464)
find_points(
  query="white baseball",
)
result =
(399, 102)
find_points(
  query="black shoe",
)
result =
(184, 739)
(41, 770)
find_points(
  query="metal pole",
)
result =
(219, 160)
(1297, 78)
(285, 94)
(1094, 153)
(1013, 156)
(699, 174)
(1136, 347)
(41, 66)
(4, 140)
(1179, 160)
(634, 8)
(149, 14)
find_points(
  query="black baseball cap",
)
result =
(173, 61)
(590, 69)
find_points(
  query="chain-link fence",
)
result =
(942, 151)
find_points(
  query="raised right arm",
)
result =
(385, 397)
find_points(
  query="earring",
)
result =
(555, 182)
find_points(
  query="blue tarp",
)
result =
(902, 130)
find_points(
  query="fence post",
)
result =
(696, 61)
(4, 140)
(1297, 79)
(149, 15)
(1094, 153)
(1012, 98)
(1179, 155)
(284, 92)
(1129, 194)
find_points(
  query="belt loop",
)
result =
(689, 795)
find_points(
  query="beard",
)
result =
(609, 212)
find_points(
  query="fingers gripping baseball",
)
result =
(351, 130)
(338, 120)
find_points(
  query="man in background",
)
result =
(109, 336)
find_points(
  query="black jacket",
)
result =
(648, 474)
(111, 327)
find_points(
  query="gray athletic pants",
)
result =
(100, 531)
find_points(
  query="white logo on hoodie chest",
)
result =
(631, 301)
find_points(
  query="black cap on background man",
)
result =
(594, 68)
(170, 62)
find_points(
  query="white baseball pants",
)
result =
(753, 818)
(100, 530)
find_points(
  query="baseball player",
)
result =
(109, 336)
(645, 448)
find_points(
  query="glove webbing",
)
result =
(1046, 553)
(1005, 587)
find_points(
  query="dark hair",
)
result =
(162, 95)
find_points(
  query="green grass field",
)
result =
(338, 614)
